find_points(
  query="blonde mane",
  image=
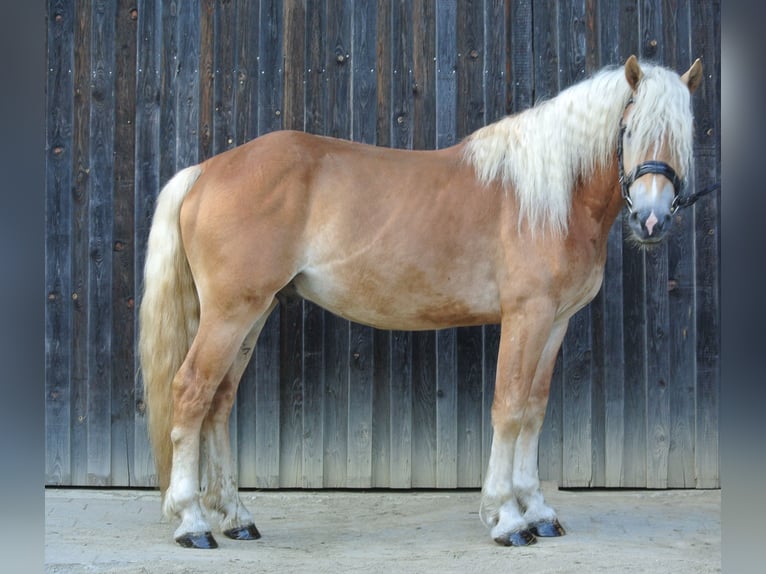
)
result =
(541, 152)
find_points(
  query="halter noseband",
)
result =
(650, 166)
(659, 168)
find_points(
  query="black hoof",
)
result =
(547, 529)
(520, 538)
(202, 540)
(249, 532)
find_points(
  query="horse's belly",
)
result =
(414, 304)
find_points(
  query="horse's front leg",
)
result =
(541, 519)
(523, 337)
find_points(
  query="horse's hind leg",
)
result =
(210, 357)
(220, 486)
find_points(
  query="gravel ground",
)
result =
(120, 531)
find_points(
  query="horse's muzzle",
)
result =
(649, 225)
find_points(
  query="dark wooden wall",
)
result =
(139, 89)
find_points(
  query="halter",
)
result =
(655, 167)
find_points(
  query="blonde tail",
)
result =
(168, 317)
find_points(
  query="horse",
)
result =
(509, 226)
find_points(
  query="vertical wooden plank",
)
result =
(657, 319)
(470, 341)
(424, 438)
(188, 85)
(423, 409)
(496, 106)
(589, 59)
(681, 303)
(80, 240)
(270, 72)
(470, 374)
(224, 72)
(381, 409)
(210, 46)
(217, 126)
(400, 400)
(58, 242)
(400, 128)
(577, 347)
(706, 34)
(147, 183)
(359, 469)
(634, 312)
(269, 446)
(521, 61)
(445, 101)
(170, 67)
(545, 85)
(246, 127)
(123, 294)
(362, 367)
(292, 393)
(314, 316)
(294, 375)
(607, 308)
(267, 406)
(577, 368)
(337, 330)
(382, 392)
(245, 72)
(100, 232)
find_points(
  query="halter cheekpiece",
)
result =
(656, 167)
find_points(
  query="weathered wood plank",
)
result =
(80, 241)
(58, 242)
(424, 367)
(147, 184)
(313, 317)
(681, 301)
(123, 290)
(470, 341)
(607, 309)
(445, 128)
(211, 44)
(267, 407)
(400, 129)
(337, 71)
(100, 234)
(496, 106)
(362, 368)
(706, 41)
(577, 413)
(247, 414)
(545, 83)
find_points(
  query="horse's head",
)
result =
(655, 145)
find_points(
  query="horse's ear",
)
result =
(693, 76)
(633, 72)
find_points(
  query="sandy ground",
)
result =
(388, 532)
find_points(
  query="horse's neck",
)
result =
(597, 202)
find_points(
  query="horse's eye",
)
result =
(628, 134)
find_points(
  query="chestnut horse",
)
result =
(509, 226)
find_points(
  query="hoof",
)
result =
(520, 538)
(202, 540)
(547, 529)
(249, 532)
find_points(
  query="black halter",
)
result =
(656, 167)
